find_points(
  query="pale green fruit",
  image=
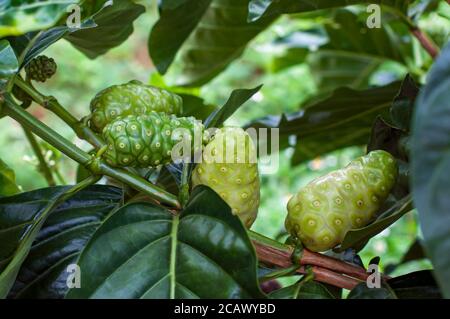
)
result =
(234, 176)
(323, 211)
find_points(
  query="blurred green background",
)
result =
(78, 79)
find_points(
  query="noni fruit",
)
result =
(132, 98)
(229, 167)
(41, 68)
(147, 140)
(323, 211)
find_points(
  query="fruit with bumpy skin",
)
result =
(323, 211)
(229, 167)
(132, 98)
(41, 68)
(147, 140)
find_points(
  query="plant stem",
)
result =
(184, 187)
(43, 166)
(52, 104)
(95, 165)
(425, 41)
(326, 269)
(423, 38)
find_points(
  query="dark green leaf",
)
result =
(415, 285)
(147, 252)
(431, 164)
(403, 106)
(60, 241)
(361, 291)
(21, 16)
(114, 26)
(218, 34)
(174, 26)
(8, 63)
(303, 290)
(8, 184)
(343, 119)
(195, 106)
(21, 218)
(267, 8)
(357, 238)
(236, 99)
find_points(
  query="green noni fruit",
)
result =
(147, 140)
(132, 98)
(323, 211)
(229, 167)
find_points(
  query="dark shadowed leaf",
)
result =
(362, 291)
(148, 252)
(415, 285)
(21, 218)
(414, 252)
(60, 241)
(430, 166)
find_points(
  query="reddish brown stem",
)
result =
(282, 258)
(426, 42)
(315, 259)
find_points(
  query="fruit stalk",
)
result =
(326, 269)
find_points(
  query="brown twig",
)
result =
(282, 258)
(426, 42)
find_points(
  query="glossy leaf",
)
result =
(357, 238)
(21, 16)
(430, 167)
(21, 218)
(343, 119)
(8, 184)
(145, 251)
(267, 8)
(8, 64)
(236, 100)
(60, 241)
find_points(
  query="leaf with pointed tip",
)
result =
(145, 251)
(234, 102)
